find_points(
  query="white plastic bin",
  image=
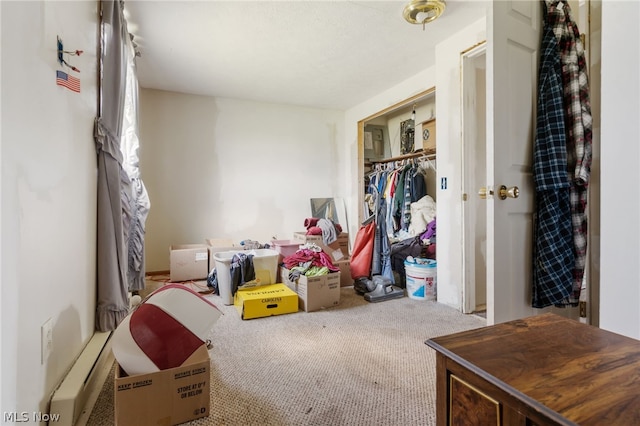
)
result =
(265, 264)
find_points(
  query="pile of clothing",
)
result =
(309, 260)
(423, 245)
(428, 239)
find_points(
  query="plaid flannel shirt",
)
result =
(553, 241)
(578, 128)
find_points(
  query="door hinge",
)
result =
(583, 309)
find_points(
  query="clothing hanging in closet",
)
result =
(562, 160)
(397, 198)
(397, 185)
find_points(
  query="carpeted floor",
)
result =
(359, 363)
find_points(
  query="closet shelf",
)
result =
(416, 154)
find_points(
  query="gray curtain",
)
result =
(112, 262)
(136, 202)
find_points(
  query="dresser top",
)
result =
(583, 373)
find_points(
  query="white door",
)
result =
(513, 40)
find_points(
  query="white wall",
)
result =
(226, 168)
(620, 174)
(48, 223)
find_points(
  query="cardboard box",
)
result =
(220, 242)
(265, 301)
(345, 272)
(217, 245)
(188, 262)
(428, 135)
(315, 293)
(341, 244)
(167, 397)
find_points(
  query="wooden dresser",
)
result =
(541, 370)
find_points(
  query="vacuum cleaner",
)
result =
(377, 289)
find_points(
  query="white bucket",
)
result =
(265, 264)
(421, 279)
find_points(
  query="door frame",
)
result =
(469, 181)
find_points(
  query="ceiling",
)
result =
(324, 54)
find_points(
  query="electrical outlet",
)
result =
(46, 335)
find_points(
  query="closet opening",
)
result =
(397, 182)
(383, 138)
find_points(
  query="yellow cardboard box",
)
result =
(265, 300)
(167, 397)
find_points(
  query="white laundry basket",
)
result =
(265, 264)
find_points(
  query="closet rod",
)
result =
(428, 154)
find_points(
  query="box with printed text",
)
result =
(167, 397)
(265, 301)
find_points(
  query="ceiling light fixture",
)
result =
(423, 11)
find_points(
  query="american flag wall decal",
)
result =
(68, 81)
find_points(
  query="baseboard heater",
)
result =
(71, 396)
